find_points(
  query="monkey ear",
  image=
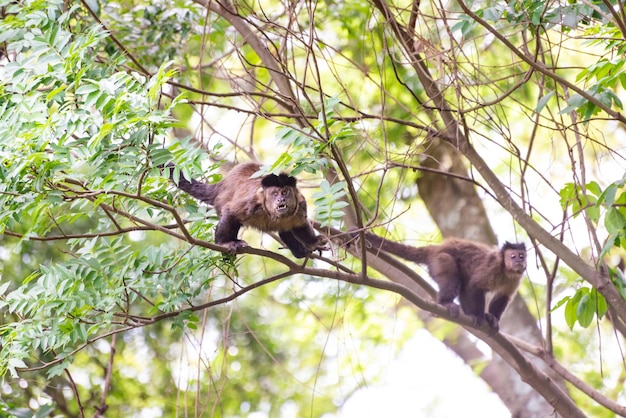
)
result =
(281, 180)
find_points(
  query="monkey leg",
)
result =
(498, 305)
(443, 269)
(447, 292)
(234, 246)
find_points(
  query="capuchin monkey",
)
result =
(468, 270)
(271, 203)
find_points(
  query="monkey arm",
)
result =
(297, 248)
(302, 239)
(227, 230)
(498, 305)
(307, 236)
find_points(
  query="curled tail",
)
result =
(204, 192)
(415, 254)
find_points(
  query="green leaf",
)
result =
(607, 197)
(45, 411)
(329, 202)
(585, 311)
(57, 369)
(571, 315)
(622, 79)
(574, 103)
(593, 188)
(614, 220)
(601, 305)
(13, 364)
(567, 194)
(584, 306)
(4, 286)
(560, 303)
(619, 280)
(543, 101)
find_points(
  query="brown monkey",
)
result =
(468, 270)
(268, 203)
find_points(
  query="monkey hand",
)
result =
(321, 244)
(493, 322)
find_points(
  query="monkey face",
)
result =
(280, 201)
(515, 260)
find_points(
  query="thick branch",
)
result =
(571, 377)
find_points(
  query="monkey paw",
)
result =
(321, 244)
(493, 322)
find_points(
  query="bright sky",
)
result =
(426, 380)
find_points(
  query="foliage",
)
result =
(610, 204)
(583, 307)
(109, 274)
(328, 203)
(91, 136)
(82, 141)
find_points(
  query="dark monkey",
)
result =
(468, 270)
(268, 203)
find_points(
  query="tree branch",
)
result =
(570, 377)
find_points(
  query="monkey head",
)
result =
(514, 257)
(279, 195)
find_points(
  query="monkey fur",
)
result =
(271, 203)
(468, 270)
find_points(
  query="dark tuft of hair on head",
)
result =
(513, 246)
(281, 180)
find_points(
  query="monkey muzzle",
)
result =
(519, 267)
(281, 208)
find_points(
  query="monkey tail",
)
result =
(415, 254)
(204, 192)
